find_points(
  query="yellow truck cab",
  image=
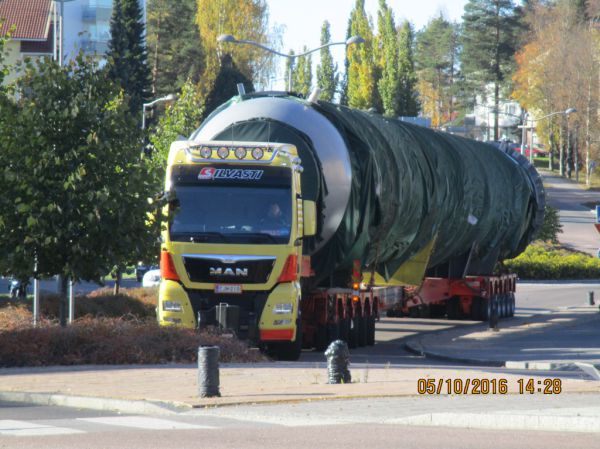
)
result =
(232, 243)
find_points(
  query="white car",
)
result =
(151, 278)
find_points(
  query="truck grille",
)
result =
(233, 269)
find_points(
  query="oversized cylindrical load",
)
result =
(386, 189)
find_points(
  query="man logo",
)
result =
(238, 272)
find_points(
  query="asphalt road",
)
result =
(332, 424)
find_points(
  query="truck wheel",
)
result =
(333, 331)
(345, 329)
(288, 351)
(486, 309)
(503, 309)
(453, 309)
(370, 330)
(362, 331)
(512, 304)
(353, 333)
(321, 337)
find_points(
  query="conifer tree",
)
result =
(489, 41)
(362, 87)
(327, 76)
(407, 78)
(127, 58)
(302, 74)
(388, 84)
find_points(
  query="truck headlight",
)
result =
(172, 306)
(283, 309)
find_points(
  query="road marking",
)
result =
(142, 422)
(24, 428)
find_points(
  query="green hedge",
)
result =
(546, 261)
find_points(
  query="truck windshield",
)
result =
(231, 214)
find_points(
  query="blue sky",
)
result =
(302, 20)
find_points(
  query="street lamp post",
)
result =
(231, 39)
(524, 127)
(167, 99)
(58, 49)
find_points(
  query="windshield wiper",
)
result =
(198, 237)
(256, 234)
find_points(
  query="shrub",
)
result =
(551, 227)
(113, 341)
(544, 261)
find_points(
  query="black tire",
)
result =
(424, 311)
(503, 306)
(453, 309)
(288, 351)
(321, 337)
(512, 303)
(333, 332)
(486, 309)
(370, 330)
(345, 329)
(476, 313)
(362, 331)
(353, 334)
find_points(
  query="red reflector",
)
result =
(277, 334)
(167, 267)
(290, 269)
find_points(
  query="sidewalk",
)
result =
(544, 342)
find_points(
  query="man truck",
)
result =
(296, 222)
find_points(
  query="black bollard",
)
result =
(208, 371)
(591, 298)
(337, 362)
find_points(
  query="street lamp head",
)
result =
(570, 111)
(170, 98)
(226, 38)
(355, 40)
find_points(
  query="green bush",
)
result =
(551, 227)
(544, 261)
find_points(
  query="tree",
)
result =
(3, 69)
(244, 19)
(436, 60)
(407, 79)
(302, 74)
(388, 84)
(489, 35)
(327, 76)
(127, 58)
(174, 45)
(181, 119)
(74, 187)
(225, 85)
(361, 87)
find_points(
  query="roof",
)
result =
(31, 18)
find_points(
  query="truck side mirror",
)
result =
(310, 217)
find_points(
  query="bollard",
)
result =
(591, 298)
(337, 362)
(208, 371)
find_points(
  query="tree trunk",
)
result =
(551, 148)
(118, 278)
(569, 152)
(63, 302)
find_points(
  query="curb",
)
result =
(416, 348)
(95, 403)
(550, 423)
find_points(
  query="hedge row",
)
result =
(546, 261)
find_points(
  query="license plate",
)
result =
(228, 288)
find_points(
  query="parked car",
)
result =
(142, 269)
(151, 279)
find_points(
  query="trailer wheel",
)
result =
(321, 337)
(370, 330)
(362, 331)
(333, 331)
(503, 305)
(353, 333)
(512, 303)
(453, 308)
(345, 330)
